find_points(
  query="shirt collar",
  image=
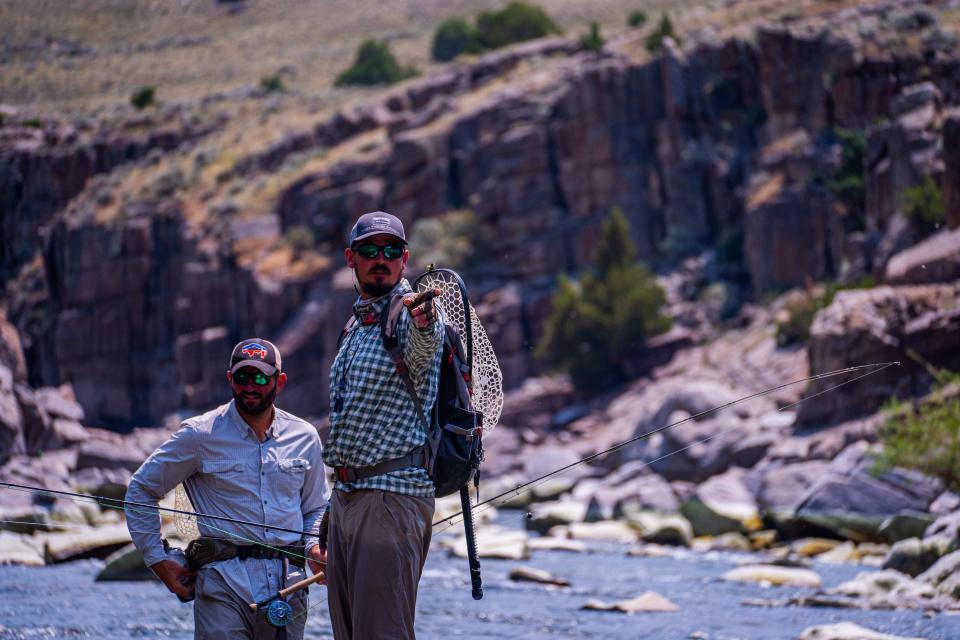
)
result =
(362, 308)
(244, 428)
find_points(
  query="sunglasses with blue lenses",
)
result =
(371, 251)
(259, 378)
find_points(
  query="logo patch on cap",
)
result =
(380, 221)
(255, 350)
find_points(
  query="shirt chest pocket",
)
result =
(287, 476)
(226, 476)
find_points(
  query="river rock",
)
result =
(810, 547)
(852, 502)
(529, 574)
(886, 589)
(774, 575)
(545, 516)
(904, 525)
(646, 602)
(492, 542)
(125, 564)
(936, 259)
(657, 528)
(913, 556)
(840, 554)
(610, 531)
(20, 549)
(847, 631)
(11, 418)
(90, 543)
(945, 576)
(730, 541)
(722, 504)
(552, 543)
(106, 450)
(947, 525)
(615, 497)
(945, 503)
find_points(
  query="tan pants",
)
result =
(378, 542)
(219, 614)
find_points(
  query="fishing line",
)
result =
(101, 501)
(523, 488)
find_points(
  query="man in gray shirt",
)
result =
(250, 461)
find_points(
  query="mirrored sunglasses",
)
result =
(259, 378)
(371, 251)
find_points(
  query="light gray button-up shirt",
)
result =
(228, 472)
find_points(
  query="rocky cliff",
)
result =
(728, 146)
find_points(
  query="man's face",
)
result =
(254, 391)
(379, 274)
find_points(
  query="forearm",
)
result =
(143, 523)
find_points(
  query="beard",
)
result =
(376, 288)
(265, 402)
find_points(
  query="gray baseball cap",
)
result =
(376, 222)
(256, 352)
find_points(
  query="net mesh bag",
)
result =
(186, 525)
(487, 378)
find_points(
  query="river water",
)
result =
(63, 601)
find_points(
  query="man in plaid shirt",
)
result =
(381, 510)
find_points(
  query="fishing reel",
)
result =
(279, 613)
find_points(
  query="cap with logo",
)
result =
(376, 222)
(258, 353)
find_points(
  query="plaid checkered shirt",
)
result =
(372, 417)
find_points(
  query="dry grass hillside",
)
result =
(59, 56)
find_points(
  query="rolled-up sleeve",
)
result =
(313, 496)
(173, 462)
(423, 348)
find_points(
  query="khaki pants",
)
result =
(377, 544)
(219, 614)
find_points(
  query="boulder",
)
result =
(529, 574)
(847, 631)
(11, 418)
(944, 575)
(883, 324)
(781, 487)
(731, 541)
(951, 174)
(551, 543)
(886, 590)
(722, 504)
(936, 259)
(947, 526)
(810, 547)
(908, 524)
(646, 602)
(611, 531)
(615, 497)
(546, 515)
(11, 350)
(20, 549)
(670, 529)
(493, 542)
(37, 424)
(106, 450)
(125, 564)
(78, 544)
(840, 554)
(913, 556)
(773, 575)
(851, 501)
(59, 403)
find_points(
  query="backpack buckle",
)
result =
(344, 474)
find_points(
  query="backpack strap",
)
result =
(389, 320)
(346, 329)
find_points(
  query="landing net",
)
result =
(487, 378)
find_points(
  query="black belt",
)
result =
(203, 551)
(416, 458)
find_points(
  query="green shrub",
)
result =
(300, 237)
(637, 19)
(450, 240)
(923, 205)
(33, 123)
(848, 183)
(795, 327)
(517, 22)
(453, 37)
(925, 435)
(143, 97)
(599, 325)
(592, 40)
(654, 41)
(272, 84)
(374, 64)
